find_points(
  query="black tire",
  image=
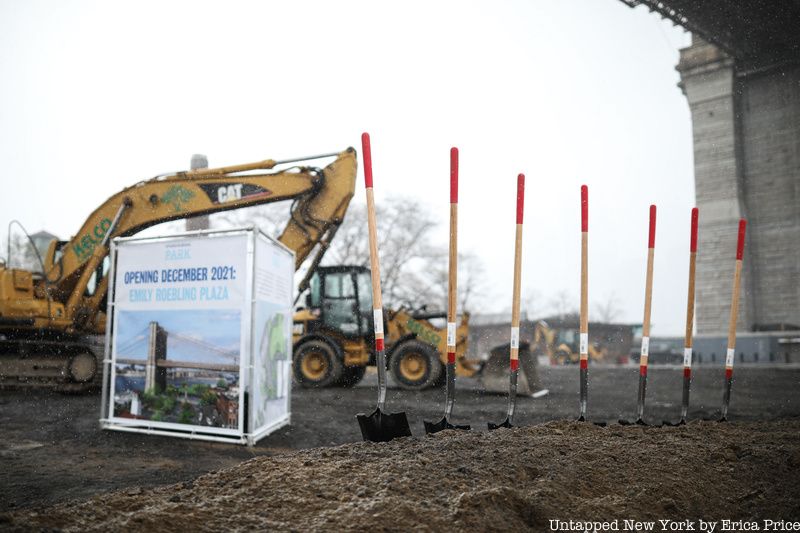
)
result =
(415, 365)
(352, 376)
(442, 379)
(316, 364)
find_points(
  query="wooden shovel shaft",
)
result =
(687, 349)
(373, 251)
(737, 281)
(452, 278)
(690, 301)
(730, 355)
(648, 291)
(514, 345)
(377, 304)
(452, 284)
(452, 288)
(517, 274)
(692, 264)
(584, 325)
(648, 295)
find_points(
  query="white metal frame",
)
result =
(240, 435)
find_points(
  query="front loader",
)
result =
(333, 336)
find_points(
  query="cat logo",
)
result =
(228, 193)
(224, 193)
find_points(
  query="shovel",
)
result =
(584, 325)
(645, 351)
(687, 350)
(514, 349)
(378, 426)
(729, 356)
(444, 423)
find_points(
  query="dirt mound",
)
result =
(514, 479)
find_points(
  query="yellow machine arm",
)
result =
(321, 200)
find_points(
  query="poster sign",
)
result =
(199, 333)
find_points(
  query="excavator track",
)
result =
(67, 365)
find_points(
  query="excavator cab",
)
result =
(333, 333)
(342, 298)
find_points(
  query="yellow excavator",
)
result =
(561, 345)
(47, 318)
(50, 319)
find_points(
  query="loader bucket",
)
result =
(383, 427)
(494, 375)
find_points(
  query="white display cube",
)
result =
(199, 336)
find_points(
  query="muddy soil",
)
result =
(511, 479)
(52, 449)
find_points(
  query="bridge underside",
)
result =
(749, 30)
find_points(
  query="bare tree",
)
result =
(563, 304)
(608, 310)
(413, 268)
(531, 303)
(410, 263)
(471, 283)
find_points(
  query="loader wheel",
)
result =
(415, 365)
(316, 364)
(352, 376)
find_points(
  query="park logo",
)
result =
(177, 195)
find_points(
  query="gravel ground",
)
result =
(52, 450)
(511, 479)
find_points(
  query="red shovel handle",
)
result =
(651, 240)
(740, 242)
(366, 151)
(695, 217)
(520, 197)
(454, 175)
(584, 208)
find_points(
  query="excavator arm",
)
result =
(321, 198)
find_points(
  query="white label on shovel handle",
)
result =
(645, 346)
(687, 357)
(584, 344)
(515, 338)
(451, 334)
(729, 357)
(377, 317)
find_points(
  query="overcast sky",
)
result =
(97, 95)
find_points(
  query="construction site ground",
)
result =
(53, 451)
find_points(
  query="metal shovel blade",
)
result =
(598, 424)
(638, 422)
(505, 424)
(434, 427)
(383, 427)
